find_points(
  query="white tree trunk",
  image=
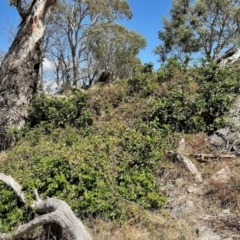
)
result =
(20, 67)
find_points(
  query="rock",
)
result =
(223, 175)
(192, 189)
(182, 208)
(234, 112)
(205, 233)
(186, 164)
(216, 141)
(184, 147)
(225, 139)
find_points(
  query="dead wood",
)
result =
(204, 158)
(227, 54)
(54, 212)
(9, 181)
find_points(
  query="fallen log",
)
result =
(204, 158)
(55, 213)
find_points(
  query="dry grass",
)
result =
(197, 143)
(153, 227)
(225, 194)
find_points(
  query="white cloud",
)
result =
(47, 65)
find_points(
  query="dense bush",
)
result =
(197, 97)
(142, 85)
(107, 167)
(107, 172)
(60, 111)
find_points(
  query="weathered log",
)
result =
(230, 52)
(20, 67)
(229, 58)
(204, 158)
(54, 212)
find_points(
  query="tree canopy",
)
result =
(114, 48)
(66, 42)
(208, 27)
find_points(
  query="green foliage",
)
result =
(10, 212)
(140, 84)
(108, 167)
(199, 26)
(7, 207)
(114, 48)
(217, 90)
(148, 67)
(59, 111)
(143, 82)
(197, 97)
(106, 171)
(170, 70)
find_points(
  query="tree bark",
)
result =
(75, 68)
(20, 68)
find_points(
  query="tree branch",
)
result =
(55, 211)
(8, 180)
(23, 11)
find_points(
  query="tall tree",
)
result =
(208, 27)
(19, 69)
(2, 54)
(114, 49)
(73, 20)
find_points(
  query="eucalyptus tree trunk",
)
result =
(19, 71)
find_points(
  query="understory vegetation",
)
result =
(103, 150)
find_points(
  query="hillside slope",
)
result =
(106, 153)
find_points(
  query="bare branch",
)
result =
(59, 213)
(55, 212)
(8, 180)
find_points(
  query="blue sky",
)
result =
(147, 16)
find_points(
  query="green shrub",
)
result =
(99, 172)
(198, 97)
(171, 70)
(217, 90)
(59, 111)
(107, 167)
(142, 85)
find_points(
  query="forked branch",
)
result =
(55, 212)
